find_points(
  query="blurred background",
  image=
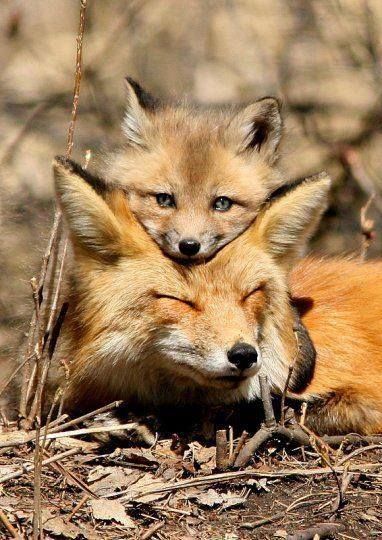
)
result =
(323, 58)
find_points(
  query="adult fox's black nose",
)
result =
(242, 355)
(189, 247)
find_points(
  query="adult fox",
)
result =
(147, 330)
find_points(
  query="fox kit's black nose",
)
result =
(242, 355)
(189, 247)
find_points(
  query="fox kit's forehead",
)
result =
(188, 151)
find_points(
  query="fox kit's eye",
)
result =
(165, 200)
(222, 204)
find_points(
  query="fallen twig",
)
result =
(240, 443)
(298, 434)
(37, 516)
(152, 530)
(30, 466)
(86, 431)
(79, 419)
(78, 506)
(8, 525)
(58, 467)
(339, 500)
(359, 451)
(266, 398)
(236, 475)
(18, 438)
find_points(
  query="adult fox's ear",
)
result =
(257, 128)
(93, 225)
(136, 123)
(290, 218)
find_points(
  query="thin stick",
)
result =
(78, 506)
(236, 475)
(55, 237)
(101, 410)
(48, 333)
(240, 443)
(323, 450)
(29, 467)
(222, 459)
(152, 530)
(267, 401)
(338, 502)
(77, 80)
(17, 439)
(26, 386)
(290, 371)
(59, 467)
(230, 444)
(8, 525)
(359, 451)
(13, 375)
(263, 521)
(85, 431)
(283, 396)
(37, 516)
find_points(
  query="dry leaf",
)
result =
(169, 474)
(147, 481)
(260, 485)
(107, 510)
(8, 469)
(7, 503)
(56, 525)
(209, 499)
(107, 479)
(140, 457)
(230, 500)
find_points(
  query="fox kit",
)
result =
(147, 330)
(195, 177)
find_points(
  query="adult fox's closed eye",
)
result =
(144, 329)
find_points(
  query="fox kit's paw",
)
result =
(125, 431)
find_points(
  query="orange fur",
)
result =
(147, 330)
(344, 322)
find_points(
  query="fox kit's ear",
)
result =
(136, 123)
(258, 128)
(92, 224)
(286, 224)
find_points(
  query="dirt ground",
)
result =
(99, 493)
